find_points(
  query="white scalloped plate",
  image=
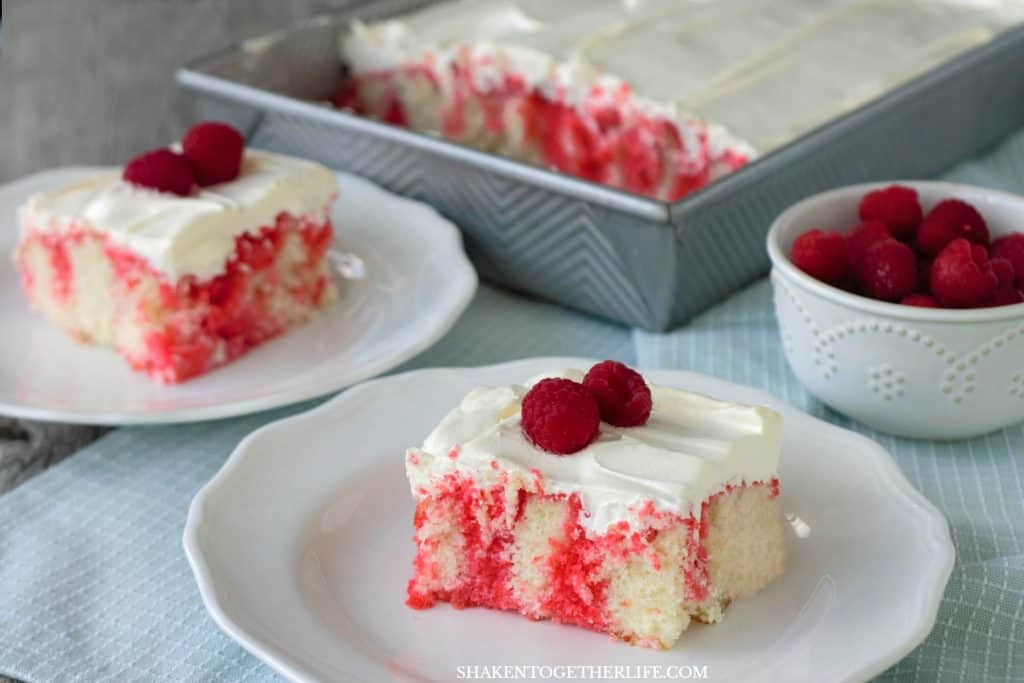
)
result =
(418, 281)
(302, 546)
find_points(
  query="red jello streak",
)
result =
(488, 572)
(578, 591)
(60, 262)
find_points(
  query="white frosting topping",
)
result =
(767, 70)
(691, 447)
(192, 235)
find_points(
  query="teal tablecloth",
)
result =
(94, 584)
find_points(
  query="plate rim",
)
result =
(935, 523)
(462, 273)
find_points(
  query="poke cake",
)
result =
(658, 97)
(597, 500)
(187, 257)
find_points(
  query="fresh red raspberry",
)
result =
(560, 416)
(920, 300)
(1011, 248)
(822, 255)
(1003, 270)
(889, 271)
(961, 276)
(1006, 296)
(161, 170)
(862, 237)
(215, 150)
(949, 220)
(896, 206)
(621, 392)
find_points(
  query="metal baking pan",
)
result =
(625, 257)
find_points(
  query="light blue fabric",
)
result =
(94, 585)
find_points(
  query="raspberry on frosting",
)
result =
(621, 392)
(962, 277)
(896, 206)
(215, 150)
(161, 170)
(889, 270)
(560, 416)
(822, 255)
(949, 220)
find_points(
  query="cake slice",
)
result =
(178, 277)
(527, 501)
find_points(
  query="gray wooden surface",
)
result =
(91, 82)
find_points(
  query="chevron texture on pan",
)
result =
(490, 203)
(552, 245)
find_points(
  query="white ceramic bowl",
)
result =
(915, 372)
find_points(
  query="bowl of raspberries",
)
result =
(902, 304)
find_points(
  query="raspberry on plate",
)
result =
(822, 255)
(862, 237)
(889, 270)
(962, 276)
(621, 392)
(560, 416)
(949, 220)
(161, 170)
(1011, 248)
(215, 150)
(896, 206)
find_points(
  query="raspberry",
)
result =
(215, 150)
(560, 416)
(1006, 296)
(822, 255)
(949, 220)
(1003, 270)
(962, 276)
(862, 237)
(889, 271)
(161, 170)
(1011, 248)
(920, 300)
(896, 206)
(621, 392)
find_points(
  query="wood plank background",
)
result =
(92, 81)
